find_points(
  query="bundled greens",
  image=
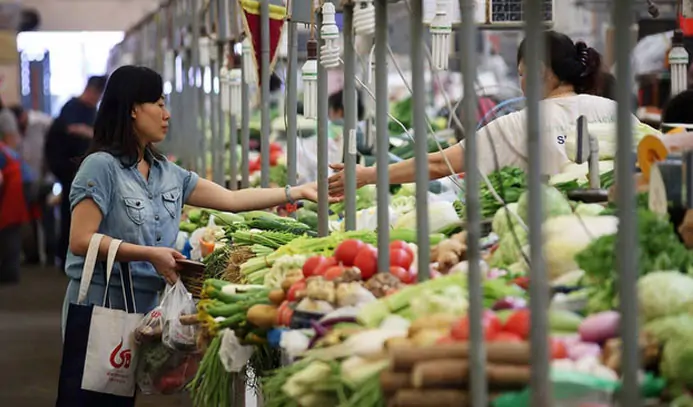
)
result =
(659, 248)
(509, 183)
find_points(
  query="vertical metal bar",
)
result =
(323, 205)
(264, 84)
(535, 53)
(291, 104)
(215, 117)
(222, 128)
(626, 249)
(421, 136)
(233, 151)
(478, 384)
(383, 139)
(350, 118)
(245, 127)
(199, 98)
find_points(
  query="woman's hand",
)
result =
(336, 181)
(310, 192)
(164, 261)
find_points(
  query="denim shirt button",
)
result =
(158, 238)
(156, 217)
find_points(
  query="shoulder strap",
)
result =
(89, 264)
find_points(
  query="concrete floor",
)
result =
(30, 344)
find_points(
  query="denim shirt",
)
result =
(135, 210)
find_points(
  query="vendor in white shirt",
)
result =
(571, 81)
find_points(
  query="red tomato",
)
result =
(347, 250)
(367, 262)
(401, 244)
(522, 282)
(518, 323)
(401, 258)
(322, 268)
(558, 349)
(312, 264)
(333, 273)
(274, 158)
(275, 147)
(403, 274)
(295, 288)
(489, 321)
(507, 337)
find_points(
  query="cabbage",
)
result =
(555, 204)
(500, 220)
(589, 209)
(663, 293)
(665, 328)
(508, 249)
(451, 300)
(441, 215)
(566, 236)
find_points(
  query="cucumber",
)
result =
(409, 236)
(564, 321)
(187, 227)
(195, 215)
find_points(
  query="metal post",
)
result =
(323, 194)
(350, 119)
(199, 99)
(539, 291)
(478, 383)
(233, 152)
(383, 140)
(245, 128)
(264, 83)
(421, 137)
(216, 120)
(627, 249)
(291, 104)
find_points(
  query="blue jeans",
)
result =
(145, 301)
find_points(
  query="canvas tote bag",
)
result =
(99, 352)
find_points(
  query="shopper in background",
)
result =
(40, 235)
(125, 189)
(571, 82)
(67, 142)
(15, 211)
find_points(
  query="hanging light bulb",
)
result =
(309, 73)
(225, 90)
(248, 65)
(329, 33)
(235, 82)
(364, 18)
(678, 64)
(440, 29)
(203, 45)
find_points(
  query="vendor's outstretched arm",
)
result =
(405, 171)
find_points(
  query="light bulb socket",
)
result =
(677, 39)
(312, 48)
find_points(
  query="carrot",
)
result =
(425, 398)
(206, 248)
(391, 382)
(455, 372)
(510, 353)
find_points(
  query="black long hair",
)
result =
(114, 133)
(573, 63)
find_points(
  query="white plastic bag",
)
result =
(232, 354)
(178, 302)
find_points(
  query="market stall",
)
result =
(409, 295)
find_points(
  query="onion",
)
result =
(600, 327)
(509, 303)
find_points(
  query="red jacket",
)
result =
(13, 206)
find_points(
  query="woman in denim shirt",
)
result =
(125, 189)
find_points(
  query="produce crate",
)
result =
(192, 274)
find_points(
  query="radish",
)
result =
(600, 327)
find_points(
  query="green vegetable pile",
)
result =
(659, 248)
(509, 183)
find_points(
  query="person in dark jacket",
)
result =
(67, 141)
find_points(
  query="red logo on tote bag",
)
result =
(121, 357)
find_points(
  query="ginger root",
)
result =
(451, 252)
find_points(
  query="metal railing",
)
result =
(178, 45)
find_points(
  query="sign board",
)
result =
(489, 12)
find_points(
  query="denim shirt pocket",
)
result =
(134, 207)
(171, 200)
